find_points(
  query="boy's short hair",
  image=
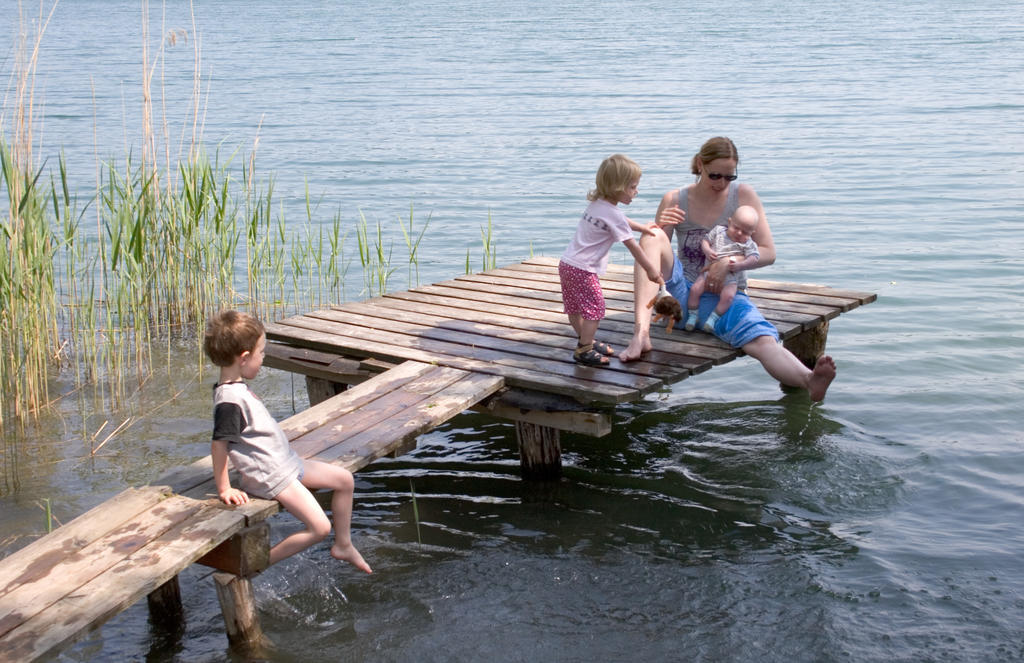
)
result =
(229, 334)
(614, 176)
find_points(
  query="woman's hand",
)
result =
(717, 271)
(671, 216)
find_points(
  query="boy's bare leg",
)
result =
(298, 501)
(320, 475)
(658, 249)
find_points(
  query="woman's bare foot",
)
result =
(821, 377)
(636, 347)
(351, 555)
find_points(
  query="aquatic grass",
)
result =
(415, 511)
(172, 243)
(413, 245)
(375, 257)
(490, 249)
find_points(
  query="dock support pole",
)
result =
(165, 608)
(319, 389)
(540, 451)
(810, 344)
(238, 604)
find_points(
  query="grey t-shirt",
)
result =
(257, 446)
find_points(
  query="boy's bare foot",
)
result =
(821, 377)
(636, 347)
(351, 555)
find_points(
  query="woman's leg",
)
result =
(783, 365)
(658, 249)
(319, 475)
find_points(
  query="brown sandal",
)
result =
(587, 356)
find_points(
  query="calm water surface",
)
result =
(723, 520)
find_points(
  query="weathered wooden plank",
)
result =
(37, 559)
(131, 578)
(369, 343)
(547, 328)
(490, 349)
(361, 449)
(479, 334)
(316, 364)
(858, 296)
(354, 398)
(79, 567)
(617, 325)
(376, 413)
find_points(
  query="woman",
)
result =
(690, 212)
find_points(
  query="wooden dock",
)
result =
(496, 342)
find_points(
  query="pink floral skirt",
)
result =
(581, 292)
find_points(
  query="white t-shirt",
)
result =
(601, 226)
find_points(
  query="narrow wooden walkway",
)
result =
(82, 574)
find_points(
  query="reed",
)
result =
(173, 243)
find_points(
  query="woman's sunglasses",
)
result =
(718, 176)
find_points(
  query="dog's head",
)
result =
(668, 308)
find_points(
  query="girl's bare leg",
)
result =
(319, 475)
(658, 249)
(783, 365)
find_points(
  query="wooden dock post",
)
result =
(540, 451)
(165, 610)
(239, 559)
(808, 345)
(238, 604)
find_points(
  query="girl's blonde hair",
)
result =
(718, 147)
(229, 334)
(615, 175)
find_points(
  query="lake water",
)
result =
(724, 520)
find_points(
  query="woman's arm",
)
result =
(669, 214)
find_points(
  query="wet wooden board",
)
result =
(510, 322)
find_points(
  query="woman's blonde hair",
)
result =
(614, 176)
(229, 334)
(718, 147)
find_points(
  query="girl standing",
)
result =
(602, 225)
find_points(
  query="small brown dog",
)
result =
(666, 307)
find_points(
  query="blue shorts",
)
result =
(740, 325)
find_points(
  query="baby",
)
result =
(727, 242)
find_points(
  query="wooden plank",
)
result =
(37, 559)
(548, 346)
(131, 578)
(618, 321)
(548, 327)
(353, 399)
(74, 570)
(490, 349)
(361, 449)
(367, 342)
(396, 404)
(316, 364)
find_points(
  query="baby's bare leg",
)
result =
(696, 290)
(725, 298)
